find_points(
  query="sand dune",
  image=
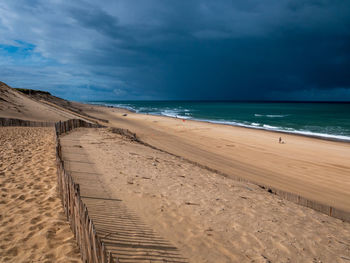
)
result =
(33, 227)
(14, 104)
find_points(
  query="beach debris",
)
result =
(250, 189)
(144, 177)
(190, 203)
(124, 115)
(130, 181)
(125, 133)
(267, 260)
(209, 230)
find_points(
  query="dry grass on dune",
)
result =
(33, 227)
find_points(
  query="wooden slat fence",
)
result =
(66, 126)
(24, 123)
(92, 249)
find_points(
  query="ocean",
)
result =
(324, 120)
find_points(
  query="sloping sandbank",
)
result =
(16, 105)
(313, 168)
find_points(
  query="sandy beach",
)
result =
(313, 168)
(184, 185)
(208, 217)
(33, 227)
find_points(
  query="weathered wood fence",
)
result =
(24, 123)
(66, 126)
(92, 249)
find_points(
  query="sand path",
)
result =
(119, 227)
(210, 218)
(33, 227)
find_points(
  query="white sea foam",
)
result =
(174, 114)
(271, 115)
(177, 113)
(281, 129)
(269, 127)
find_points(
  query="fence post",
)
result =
(92, 249)
(110, 257)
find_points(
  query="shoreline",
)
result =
(302, 166)
(325, 137)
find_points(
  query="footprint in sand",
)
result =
(12, 252)
(30, 200)
(21, 197)
(48, 214)
(35, 220)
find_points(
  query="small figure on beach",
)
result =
(281, 141)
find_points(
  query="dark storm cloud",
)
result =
(178, 49)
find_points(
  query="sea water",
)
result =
(325, 120)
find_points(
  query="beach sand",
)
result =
(316, 169)
(206, 214)
(33, 227)
(208, 217)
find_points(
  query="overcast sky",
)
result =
(178, 49)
